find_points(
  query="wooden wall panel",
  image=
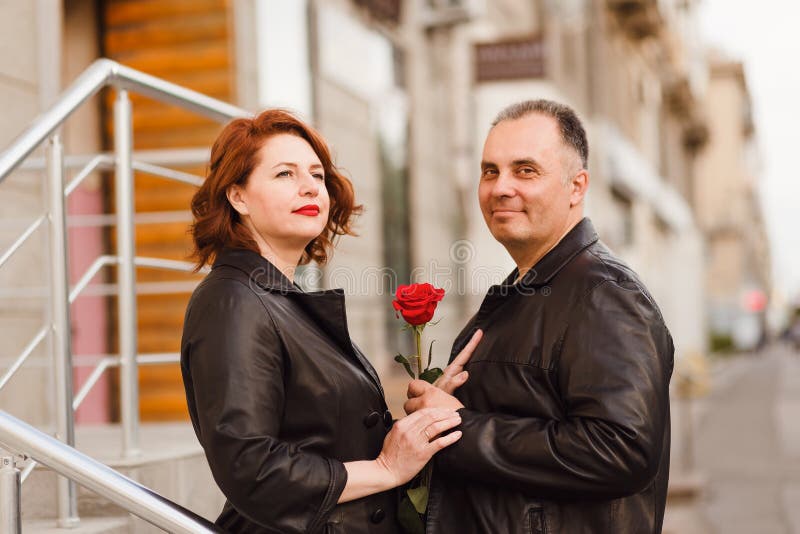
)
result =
(187, 42)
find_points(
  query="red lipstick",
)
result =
(309, 210)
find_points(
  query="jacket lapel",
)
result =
(326, 308)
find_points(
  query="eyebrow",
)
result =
(515, 163)
(295, 165)
(526, 161)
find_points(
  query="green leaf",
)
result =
(419, 498)
(408, 517)
(430, 375)
(403, 360)
(430, 354)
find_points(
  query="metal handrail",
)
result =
(170, 174)
(27, 351)
(104, 161)
(140, 261)
(18, 436)
(106, 361)
(90, 273)
(102, 73)
(179, 157)
(142, 217)
(113, 360)
(102, 289)
(21, 239)
(99, 161)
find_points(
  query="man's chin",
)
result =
(509, 238)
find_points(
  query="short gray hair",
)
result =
(572, 131)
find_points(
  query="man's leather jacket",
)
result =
(566, 423)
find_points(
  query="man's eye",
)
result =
(489, 173)
(526, 171)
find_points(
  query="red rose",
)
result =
(417, 302)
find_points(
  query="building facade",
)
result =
(405, 92)
(728, 208)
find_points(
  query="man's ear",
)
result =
(235, 196)
(579, 184)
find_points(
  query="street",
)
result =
(747, 444)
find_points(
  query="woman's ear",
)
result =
(235, 195)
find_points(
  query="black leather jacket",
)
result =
(566, 426)
(279, 398)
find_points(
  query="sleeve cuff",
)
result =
(449, 458)
(336, 486)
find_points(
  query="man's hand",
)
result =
(424, 395)
(454, 374)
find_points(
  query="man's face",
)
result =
(522, 192)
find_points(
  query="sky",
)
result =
(766, 37)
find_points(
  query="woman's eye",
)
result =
(318, 176)
(284, 174)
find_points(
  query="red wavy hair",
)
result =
(234, 155)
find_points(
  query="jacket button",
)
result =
(372, 419)
(387, 419)
(377, 516)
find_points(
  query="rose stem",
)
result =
(418, 336)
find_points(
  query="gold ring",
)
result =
(425, 431)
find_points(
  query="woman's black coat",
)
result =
(280, 398)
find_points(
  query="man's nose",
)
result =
(504, 185)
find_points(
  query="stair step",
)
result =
(88, 525)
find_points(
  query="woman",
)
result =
(290, 413)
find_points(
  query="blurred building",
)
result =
(728, 210)
(634, 70)
(405, 91)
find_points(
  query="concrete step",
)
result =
(171, 463)
(90, 525)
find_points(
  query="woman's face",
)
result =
(285, 202)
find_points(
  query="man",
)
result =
(565, 415)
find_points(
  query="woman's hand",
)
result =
(408, 446)
(454, 374)
(414, 439)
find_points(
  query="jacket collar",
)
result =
(257, 268)
(326, 307)
(581, 236)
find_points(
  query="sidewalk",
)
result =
(747, 444)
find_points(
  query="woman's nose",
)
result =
(309, 186)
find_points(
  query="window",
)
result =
(622, 229)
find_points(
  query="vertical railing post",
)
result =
(61, 332)
(126, 278)
(10, 510)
